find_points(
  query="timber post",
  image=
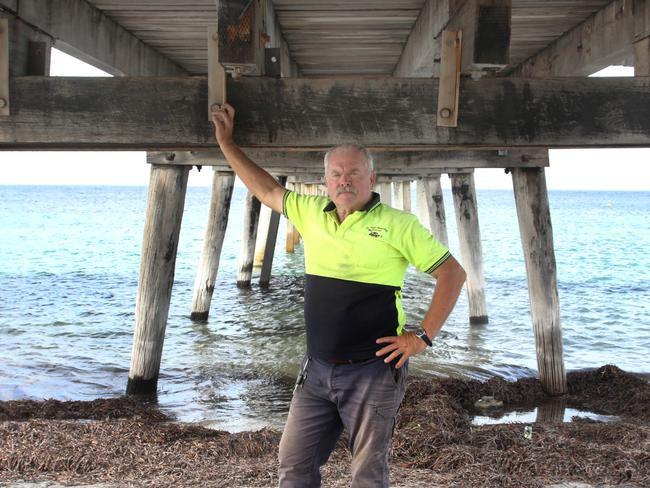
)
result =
(290, 245)
(251, 218)
(398, 198)
(206, 276)
(262, 236)
(384, 190)
(269, 249)
(469, 237)
(165, 202)
(534, 217)
(430, 202)
(406, 196)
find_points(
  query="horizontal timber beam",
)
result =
(386, 162)
(83, 31)
(295, 113)
(603, 39)
(420, 57)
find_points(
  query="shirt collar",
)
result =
(372, 203)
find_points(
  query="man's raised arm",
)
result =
(264, 186)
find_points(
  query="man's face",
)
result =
(349, 182)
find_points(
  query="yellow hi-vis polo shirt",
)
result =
(354, 272)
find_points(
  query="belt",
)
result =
(347, 361)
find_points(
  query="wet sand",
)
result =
(124, 442)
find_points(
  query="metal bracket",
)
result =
(4, 68)
(216, 73)
(272, 66)
(449, 81)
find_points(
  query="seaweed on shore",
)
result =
(435, 441)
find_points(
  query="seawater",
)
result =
(69, 264)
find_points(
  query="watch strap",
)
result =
(422, 334)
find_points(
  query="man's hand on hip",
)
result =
(406, 345)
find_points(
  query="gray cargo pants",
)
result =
(361, 397)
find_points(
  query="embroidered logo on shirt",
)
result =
(376, 231)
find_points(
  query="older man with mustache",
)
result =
(356, 254)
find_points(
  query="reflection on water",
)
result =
(530, 416)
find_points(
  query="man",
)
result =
(356, 254)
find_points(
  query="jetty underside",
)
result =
(432, 87)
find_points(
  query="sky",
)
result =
(570, 169)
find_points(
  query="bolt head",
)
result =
(445, 113)
(214, 107)
(3, 103)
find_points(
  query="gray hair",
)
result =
(352, 146)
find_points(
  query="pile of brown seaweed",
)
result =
(131, 443)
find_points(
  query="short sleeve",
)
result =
(422, 249)
(298, 208)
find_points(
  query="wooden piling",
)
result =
(469, 237)
(429, 196)
(206, 276)
(406, 196)
(165, 202)
(398, 195)
(289, 243)
(251, 218)
(534, 216)
(262, 235)
(385, 192)
(271, 239)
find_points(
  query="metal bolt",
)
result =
(3, 103)
(170, 156)
(274, 59)
(214, 107)
(445, 113)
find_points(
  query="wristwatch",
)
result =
(422, 334)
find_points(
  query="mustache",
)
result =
(346, 189)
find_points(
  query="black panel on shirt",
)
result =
(345, 318)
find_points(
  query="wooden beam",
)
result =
(642, 57)
(450, 63)
(83, 31)
(294, 113)
(485, 25)
(216, 74)
(38, 63)
(21, 38)
(5, 99)
(386, 162)
(421, 55)
(276, 39)
(9, 5)
(603, 39)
